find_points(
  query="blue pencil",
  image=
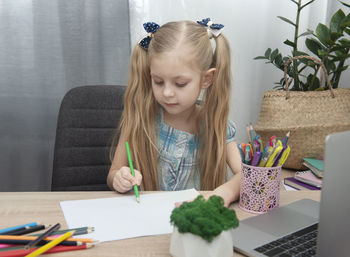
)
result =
(33, 224)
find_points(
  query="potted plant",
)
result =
(330, 44)
(310, 115)
(203, 228)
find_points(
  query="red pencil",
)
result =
(56, 249)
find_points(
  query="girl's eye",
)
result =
(180, 84)
(158, 82)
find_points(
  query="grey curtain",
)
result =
(46, 48)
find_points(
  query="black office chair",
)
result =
(87, 120)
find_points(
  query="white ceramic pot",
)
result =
(190, 245)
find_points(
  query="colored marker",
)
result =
(256, 158)
(267, 153)
(271, 160)
(284, 156)
(247, 157)
(241, 151)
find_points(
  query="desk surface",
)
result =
(22, 207)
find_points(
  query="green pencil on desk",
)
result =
(136, 190)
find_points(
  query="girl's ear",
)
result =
(208, 78)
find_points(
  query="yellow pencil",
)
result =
(53, 243)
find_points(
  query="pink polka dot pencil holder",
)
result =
(260, 188)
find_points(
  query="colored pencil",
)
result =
(136, 190)
(26, 230)
(14, 231)
(286, 138)
(11, 247)
(249, 135)
(56, 249)
(40, 238)
(51, 244)
(43, 242)
(78, 231)
(17, 227)
(50, 238)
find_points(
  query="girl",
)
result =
(177, 141)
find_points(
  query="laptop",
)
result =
(306, 227)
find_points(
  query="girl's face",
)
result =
(176, 83)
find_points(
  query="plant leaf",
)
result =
(345, 23)
(344, 42)
(298, 53)
(342, 57)
(304, 86)
(287, 20)
(344, 68)
(312, 64)
(347, 31)
(306, 4)
(278, 60)
(336, 35)
(313, 45)
(331, 66)
(339, 52)
(273, 54)
(321, 53)
(312, 82)
(289, 43)
(267, 53)
(336, 21)
(345, 4)
(307, 32)
(259, 57)
(284, 59)
(322, 33)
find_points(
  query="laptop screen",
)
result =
(334, 223)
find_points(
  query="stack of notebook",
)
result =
(315, 165)
(304, 180)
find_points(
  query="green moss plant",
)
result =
(205, 218)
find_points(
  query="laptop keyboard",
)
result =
(300, 243)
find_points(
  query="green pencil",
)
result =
(136, 190)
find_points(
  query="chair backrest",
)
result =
(87, 121)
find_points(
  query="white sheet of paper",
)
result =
(122, 217)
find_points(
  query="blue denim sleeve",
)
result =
(231, 131)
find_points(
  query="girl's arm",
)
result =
(119, 177)
(229, 191)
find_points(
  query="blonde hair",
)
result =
(140, 106)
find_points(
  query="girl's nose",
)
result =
(168, 91)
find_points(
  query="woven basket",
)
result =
(309, 116)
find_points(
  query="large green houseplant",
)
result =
(330, 44)
(303, 106)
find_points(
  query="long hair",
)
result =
(140, 106)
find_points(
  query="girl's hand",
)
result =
(123, 181)
(220, 191)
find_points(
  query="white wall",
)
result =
(251, 27)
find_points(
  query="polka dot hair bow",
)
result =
(150, 27)
(213, 28)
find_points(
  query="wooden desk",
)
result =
(24, 207)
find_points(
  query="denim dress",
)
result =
(178, 168)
